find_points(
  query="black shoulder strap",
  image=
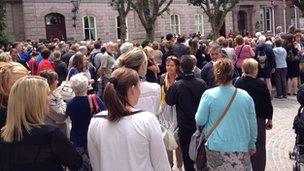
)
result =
(105, 116)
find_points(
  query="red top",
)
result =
(45, 65)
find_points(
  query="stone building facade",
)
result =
(46, 19)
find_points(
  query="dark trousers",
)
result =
(280, 81)
(184, 139)
(258, 160)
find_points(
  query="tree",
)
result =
(148, 11)
(216, 11)
(300, 5)
(3, 38)
(123, 7)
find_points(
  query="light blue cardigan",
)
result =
(238, 130)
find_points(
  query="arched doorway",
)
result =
(55, 26)
(242, 22)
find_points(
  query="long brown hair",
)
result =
(115, 93)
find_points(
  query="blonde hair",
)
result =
(26, 107)
(223, 71)
(134, 59)
(250, 66)
(7, 70)
(5, 57)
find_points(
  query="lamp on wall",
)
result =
(75, 4)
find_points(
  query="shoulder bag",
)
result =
(197, 151)
(65, 89)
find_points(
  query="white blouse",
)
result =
(149, 99)
(133, 144)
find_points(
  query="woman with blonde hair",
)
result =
(5, 57)
(149, 99)
(123, 137)
(233, 140)
(26, 142)
(258, 90)
(9, 73)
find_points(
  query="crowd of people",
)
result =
(124, 94)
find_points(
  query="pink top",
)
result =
(246, 52)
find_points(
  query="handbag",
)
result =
(168, 133)
(65, 89)
(94, 106)
(197, 151)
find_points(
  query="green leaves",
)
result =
(3, 37)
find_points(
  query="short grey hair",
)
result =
(261, 39)
(79, 83)
(126, 47)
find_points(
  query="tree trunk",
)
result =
(150, 31)
(123, 29)
(216, 24)
(215, 27)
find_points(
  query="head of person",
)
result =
(278, 42)
(135, 59)
(125, 47)
(215, 51)
(18, 46)
(220, 40)
(52, 79)
(279, 29)
(57, 55)
(75, 47)
(121, 93)
(83, 50)
(78, 61)
(111, 47)
(45, 53)
(239, 40)
(225, 43)
(172, 65)
(97, 45)
(223, 70)
(155, 45)
(261, 39)
(5, 57)
(181, 39)
(10, 72)
(79, 84)
(14, 54)
(187, 64)
(28, 103)
(250, 67)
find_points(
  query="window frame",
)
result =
(116, 28)
(266, 20)
(198, 25)
(175, 24)
(89, 28)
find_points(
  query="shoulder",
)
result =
(147, 86)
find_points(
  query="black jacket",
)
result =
(186, 94)
(45, 148)
(258, 90)
(208, 75)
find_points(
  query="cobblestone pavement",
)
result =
(280, 140)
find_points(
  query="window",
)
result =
(199, 24)
(268, 19)
(118, 28)
(261, 26)
(89, 28)
(54, 19)
(175, 29)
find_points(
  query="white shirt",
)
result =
(149, 99)
(133, 144)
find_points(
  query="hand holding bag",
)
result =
(197, 151)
